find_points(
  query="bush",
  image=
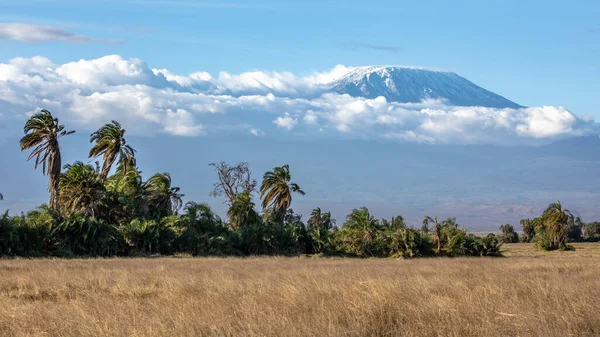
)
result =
(552, 228)
(488, 245)
(408, 242)
(509, 235)
(591, 232)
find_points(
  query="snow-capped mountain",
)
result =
(413, 85)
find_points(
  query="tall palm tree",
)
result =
(276, 189)
(81, 189)
(437, 231)
(161, 196)
(110, 144)
(42, 132)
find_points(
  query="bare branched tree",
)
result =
(233, 180)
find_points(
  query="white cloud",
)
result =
(410, 137)
(186, 81)
(257, 132)
(109, 70)
(546, 121)
(330, 76)
(310, 117)
(285, 122)
(91, 92)
(181, 123)
(26, 32)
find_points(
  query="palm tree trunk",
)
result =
(54, 194)
(106, 167)
(53, 180)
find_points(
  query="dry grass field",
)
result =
(525, 294)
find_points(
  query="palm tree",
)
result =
(161, 196)
(125, 191)
(320, 220)
(555, 225)
(241, 210)
(366, 226)
(315, 218)
(276, 189)
(42, 132)
(437, 231)
(397, 222)
(81, 189)
(319, 226)
(110, 144)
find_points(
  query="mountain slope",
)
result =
(412, 85)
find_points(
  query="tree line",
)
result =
(92, 212)
(554, 229)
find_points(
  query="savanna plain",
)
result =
(525, 293)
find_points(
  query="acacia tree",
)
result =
(42, 132)
(233, 181)
(110, 143)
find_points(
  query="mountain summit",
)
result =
(413, 85)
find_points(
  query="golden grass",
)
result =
(526, 294)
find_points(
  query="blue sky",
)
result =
(247, 80)
(533, 52)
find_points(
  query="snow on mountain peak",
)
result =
(415, 84)
(358, 72)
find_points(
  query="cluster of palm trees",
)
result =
(88, 190)
(123, 210)
(364, 235)
(85, 189)
(555, 229)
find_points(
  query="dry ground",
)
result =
(525, 294)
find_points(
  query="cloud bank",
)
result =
(88, 93)
(26, 32)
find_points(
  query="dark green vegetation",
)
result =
(556, 227)
(94, 213)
